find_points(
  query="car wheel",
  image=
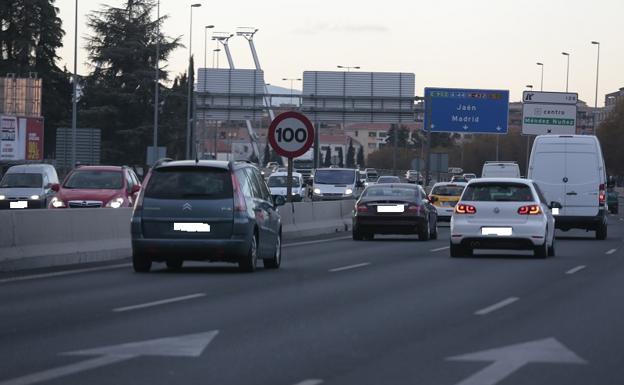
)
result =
(424, 232)
(276, 261)
(541, 251)
(141, 263)
(248, 262)
(174, 263)
(551, 248)
(457, 251)
(434, 233)
(601, 233)
(357, 234)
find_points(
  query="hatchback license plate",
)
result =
(500, 231)
(192, 227)
(391, 209)
(18, 205)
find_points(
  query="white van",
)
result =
(570, 169)
(500, 170)
(28, 186)
(278, 184)
(336, 183)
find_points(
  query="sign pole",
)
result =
(289, 184)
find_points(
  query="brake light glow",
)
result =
(602, 195)
(239, 199)
(530, 210)
(362, 209)
(465, 209)
(413, 209)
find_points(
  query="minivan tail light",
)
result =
(602, 195)
(239, 199)
(465, 209)
(530, 210)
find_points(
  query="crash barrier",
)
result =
(32, 239)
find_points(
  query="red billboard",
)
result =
(34, 139)
(21, 138)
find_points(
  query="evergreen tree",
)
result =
(351, 155)
(118, 95)
(360, 157)
(402, 135)
(267, 153)
(327, 161)
(30, 35)
(340, 157)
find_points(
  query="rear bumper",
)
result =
(225, 250)
(523, 236)
(581, 222)
(498, 243)
(389, 225)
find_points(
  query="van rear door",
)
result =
(583, 180)
(548, 170)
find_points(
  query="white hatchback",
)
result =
(503, 213)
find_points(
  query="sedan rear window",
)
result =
(189, 183)
(498, 192)
(390, 192)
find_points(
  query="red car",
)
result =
(97, 186)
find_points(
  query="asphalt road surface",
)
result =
(389, 311)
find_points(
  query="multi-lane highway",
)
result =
(391, 311)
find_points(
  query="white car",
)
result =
(278, 181)
(503, 213)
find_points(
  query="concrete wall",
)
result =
(43, 238)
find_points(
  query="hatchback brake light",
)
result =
(465, 209)
(239, 199)
(530, 210)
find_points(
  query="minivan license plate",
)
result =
(500, 231)
(18, 205)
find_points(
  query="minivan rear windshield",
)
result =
(498, 192)
(334, 177)
(189, 183)
(18, 180)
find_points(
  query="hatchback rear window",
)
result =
(189, 183)
(498, 192)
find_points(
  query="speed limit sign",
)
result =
(291, 134)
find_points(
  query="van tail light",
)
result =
(465, 209)
(413, 209)
(239, 199)
(530, 210)
(602, 195)
(362, 209)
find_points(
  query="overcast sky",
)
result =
(446, 43)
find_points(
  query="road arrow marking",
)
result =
(498, 128)
(465, 127)
(508, 359)
(191, 345)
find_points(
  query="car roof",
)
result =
(222, 164)
(527, 182)
(283, 173)
(29, 168)
(99, 168)
(410, 185)
(450, 184)
(336, 169)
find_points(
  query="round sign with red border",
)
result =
(291, 134)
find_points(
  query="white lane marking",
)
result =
(611, 251)
(160, 302)
(440, 249)
(496, 306)
(64, 272)
(312, 381)
(294, 244)
(343, 268)
(575, 269)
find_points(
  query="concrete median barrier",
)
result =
(44, 238)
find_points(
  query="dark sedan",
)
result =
(399, 208)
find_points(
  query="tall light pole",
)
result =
(75, 89)
(206, 28)
(156, 84)
(542, 77)
(597, 72)
(190, 85)
(292, 80)
(567, 55)
(349, 68)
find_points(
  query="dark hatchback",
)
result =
(400, 208)
(205, 211)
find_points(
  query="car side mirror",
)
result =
(135, 189)
(48, 186)
(55, 187)
(279, 201)
(555, 205)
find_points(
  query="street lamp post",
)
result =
(567, 55)
(206, 28)
(75, 89)
(597, 73)
(292, 80)
(190, 85)
(156, 84)
(349, 68)
(542, 77)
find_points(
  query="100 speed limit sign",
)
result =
(291, 134)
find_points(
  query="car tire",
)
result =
(248, 262)
(424, 233)
(434, 233)
(551, 248)
(541, 251)
(174, 263)
(457, 251)
(276, 261)
(368, 236)
(601, 232)
(140, 263)
(356, 234)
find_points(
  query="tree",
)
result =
(340, 157)
(402, 135)
(118, 95)
(351, 155)
(327, 161)
(30, 35)
(267, 153)
(360, 157)
(610, 133)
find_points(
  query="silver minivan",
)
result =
(570, 169)
(27, 186)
